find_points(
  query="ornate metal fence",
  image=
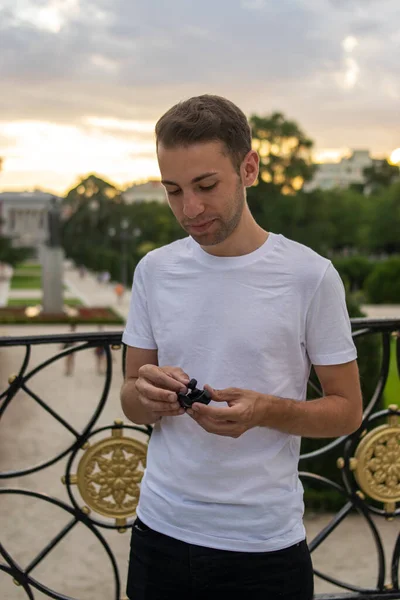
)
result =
(105, 473)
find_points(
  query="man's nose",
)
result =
(192, 205)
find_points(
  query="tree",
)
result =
(102, 232)
(91, 189)
(381, 174)
(10, 255)
(91, 208)
(285, 152)
(385, 235)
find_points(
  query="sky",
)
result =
(84, 81)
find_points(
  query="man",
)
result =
(246, 313)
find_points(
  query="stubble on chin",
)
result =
(211, 239)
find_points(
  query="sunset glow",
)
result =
(395, 157)
(83, 83)
(52, 155)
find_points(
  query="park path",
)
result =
(5, 277)
(94, 293)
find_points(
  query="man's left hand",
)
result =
(245, 410)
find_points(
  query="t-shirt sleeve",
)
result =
(328, 327)
(138, 331)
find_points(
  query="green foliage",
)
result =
(354, 270)
(384, 233)
(392, 387)
(11, 255)
(380, 175)
(30, 266)
(285, 152)
(101, 228)
(322, 499)
(91, 189)
(26, 282)
(383, 284)
(327, 221)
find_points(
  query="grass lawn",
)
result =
(35, 301)
(22, 271)
(26, 282)
(28, 270)
(392, 388)
(29, 264)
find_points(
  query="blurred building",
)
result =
(23, 217)
(341, 174)
(145, 192)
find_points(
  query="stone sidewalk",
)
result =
(5, 278)
(382, 311)
(94, 293)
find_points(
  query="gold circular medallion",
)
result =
(377, 464)
(109, 474)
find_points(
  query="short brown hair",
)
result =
(206, 118)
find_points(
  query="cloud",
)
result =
(67, 150)
(146, 45)
(325, 64)
(350, 43)
(253, 4)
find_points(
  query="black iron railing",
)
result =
(369, 464)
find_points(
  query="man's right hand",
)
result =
(158, 387)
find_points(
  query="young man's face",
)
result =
(204, 190)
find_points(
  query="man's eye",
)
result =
(174, 193)
(207, 188)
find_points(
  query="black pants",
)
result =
(163, 568)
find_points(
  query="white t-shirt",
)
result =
(256, 322)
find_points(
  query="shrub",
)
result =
(354, 270)
(97, 315)
(383, 284)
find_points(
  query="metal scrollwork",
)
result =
(376, 463)
(104, 467)
(109, 476)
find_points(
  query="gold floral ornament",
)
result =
(109, 476)
(376, 463)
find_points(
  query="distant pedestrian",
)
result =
(70, 358)
(105, 277)
(100, 354)
(119, 291)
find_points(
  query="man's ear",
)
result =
(250, 168)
